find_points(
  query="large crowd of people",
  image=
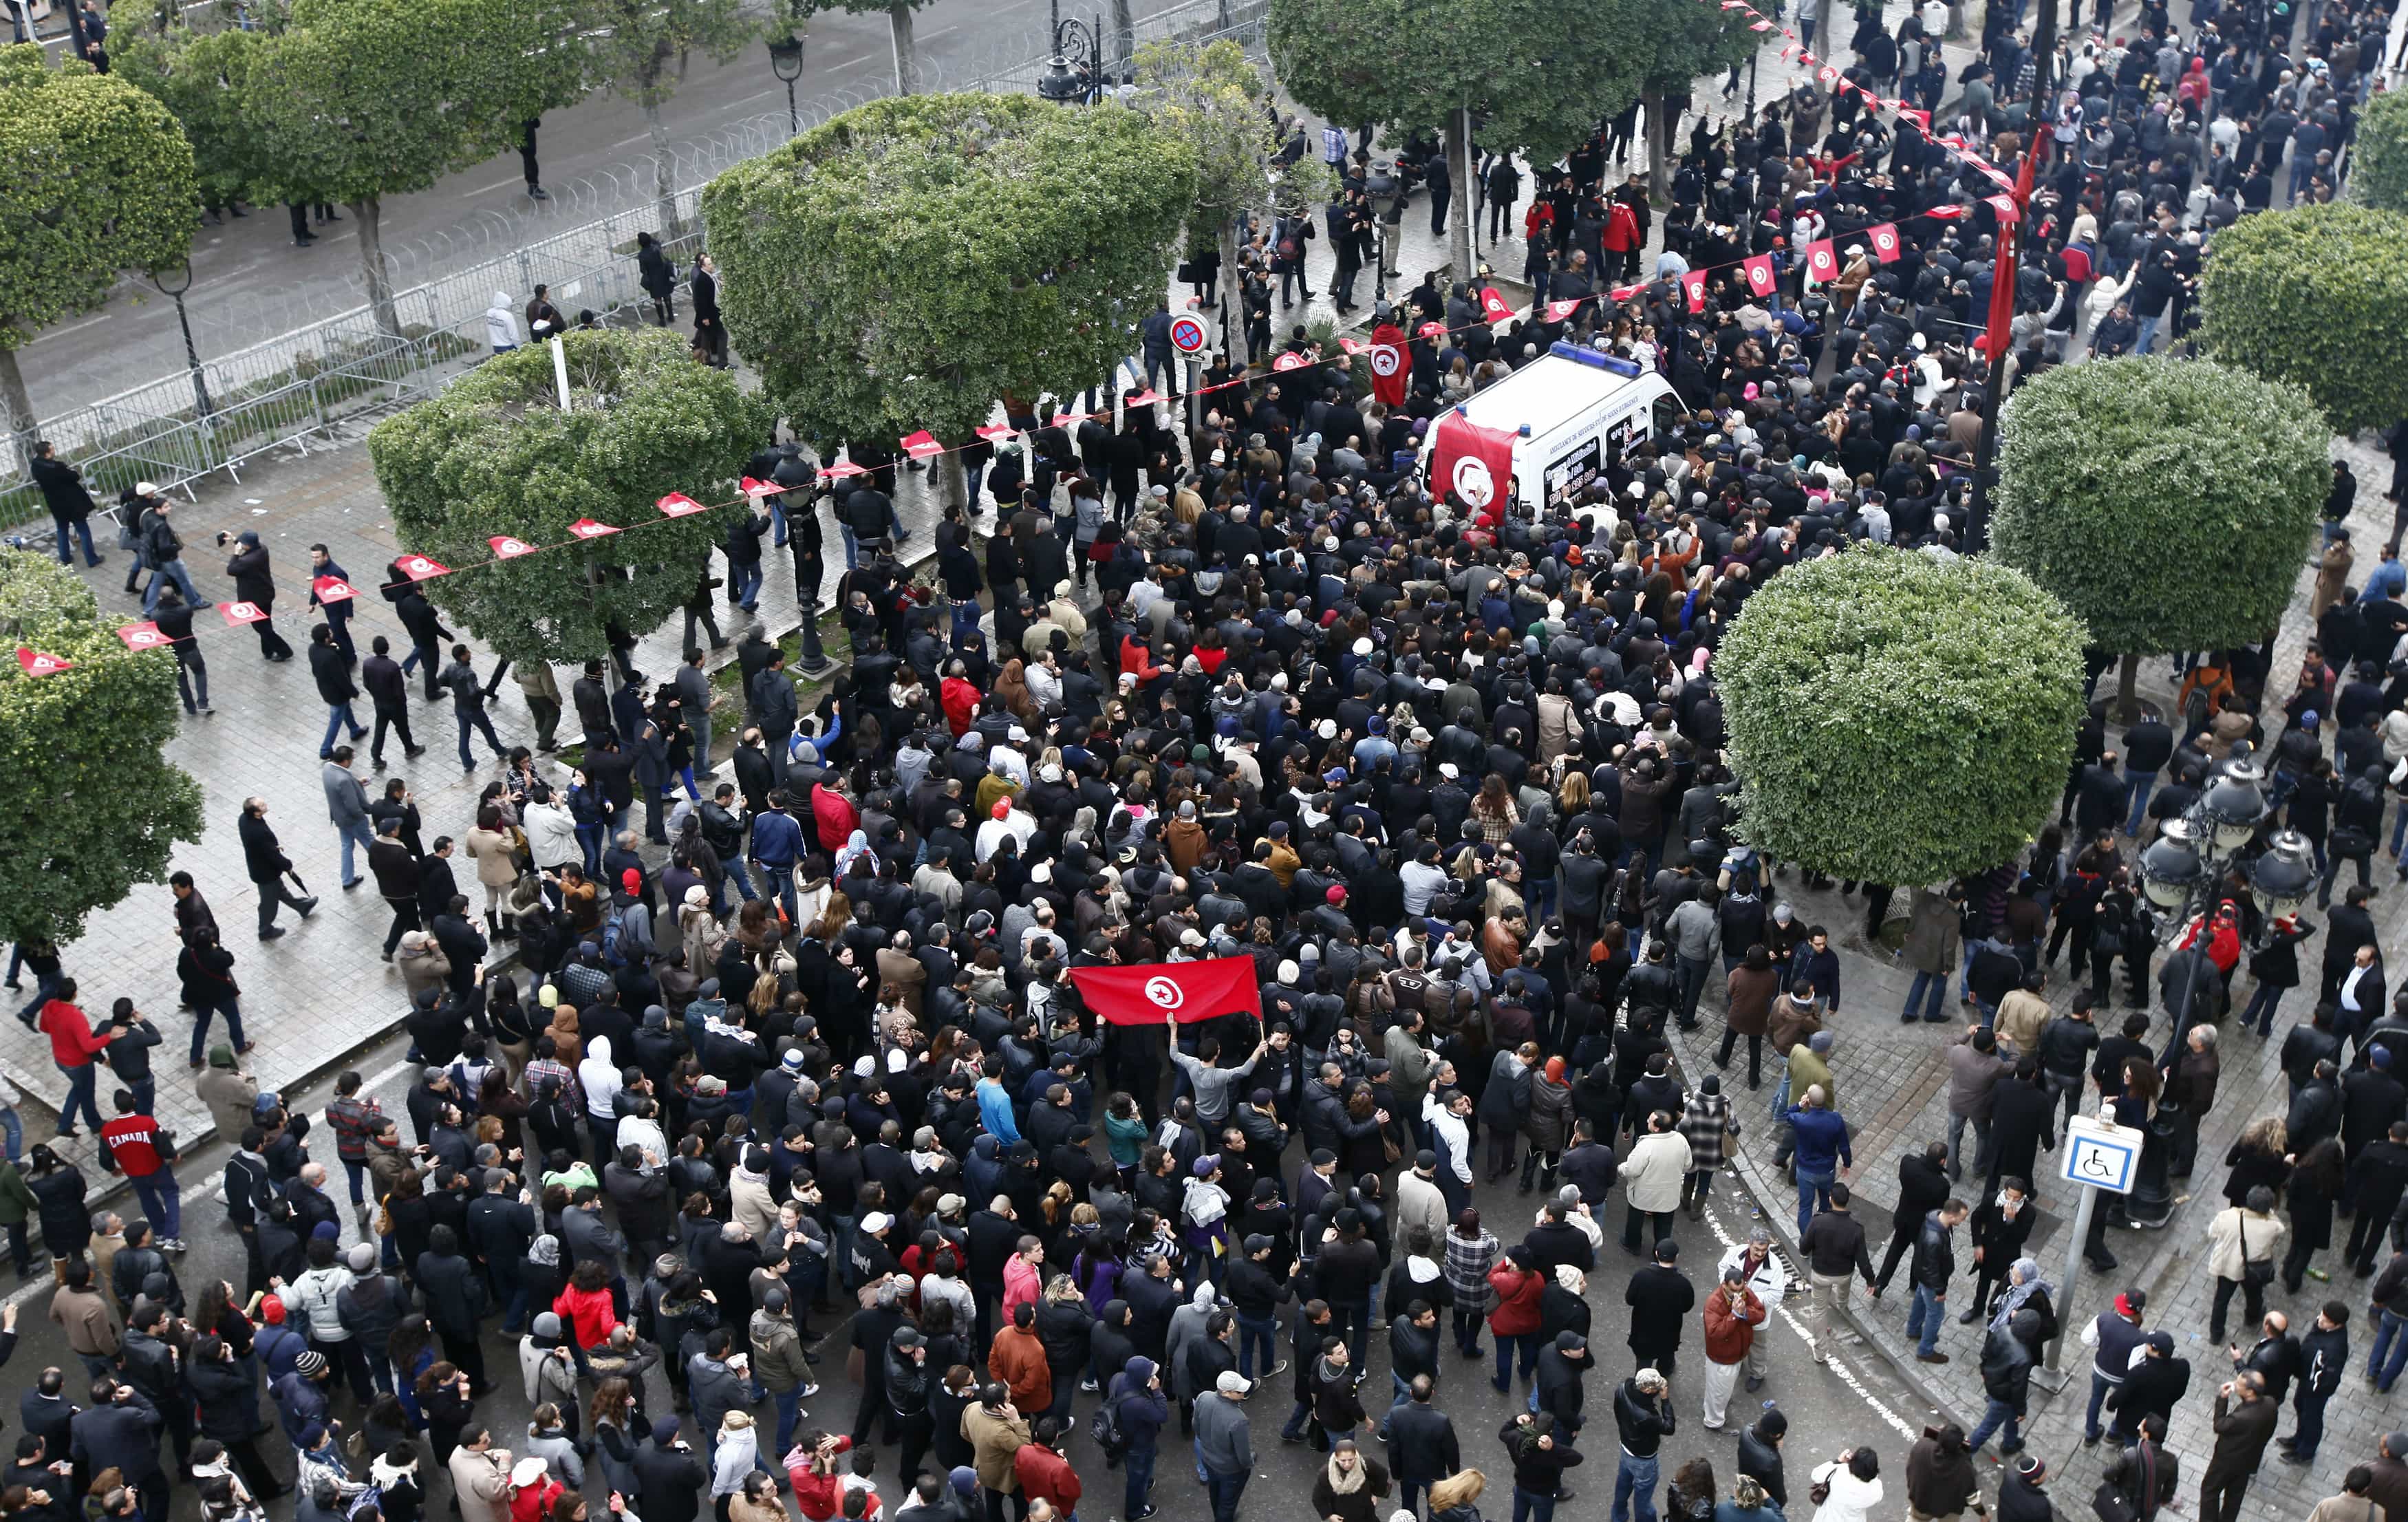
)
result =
(1450, 774)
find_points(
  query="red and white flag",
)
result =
(1624, 293)
(243, 612)
(586, 528)
(921, 445)
(1390, 369)
(2003, 207)
(36, 663)
(1474, 463)
(1291, 360)
(143, 636)
(679, 505)
(1493, 305)
(1760, 274)
(995, 433)
(1822, 263)
(1432, 330)
(843, 469)
(1353, 345)
(1559, 311)
(1153, 992)
(508, 548)
(1694, 282)
(420, 569)
(1885, 239)
(333, 589)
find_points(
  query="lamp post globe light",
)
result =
(2182, 875)
(786, 62)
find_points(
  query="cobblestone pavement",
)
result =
(1893, 1084)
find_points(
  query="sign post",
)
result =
(2098, 1158)
(1188, 336)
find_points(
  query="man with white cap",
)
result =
(1225, 1443)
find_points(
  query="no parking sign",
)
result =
(1188, 334)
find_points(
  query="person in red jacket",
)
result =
(586, 1305)
(1515, 1320)
(815, 1468)
(74, 1045)
(833, 815)
(1044, 1475)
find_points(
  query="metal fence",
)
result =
(295, 387)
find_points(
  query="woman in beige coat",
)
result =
(2244, 1238)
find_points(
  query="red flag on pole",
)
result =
(36, 663)
(1760, 274)
(1389, 369)
(2003, 275)
(1149, 993)
(1694, 282)
(1885, 238)
(142, 635)
(1474, 463)
(1822, 263)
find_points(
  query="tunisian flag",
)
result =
(1193, 991)
(1390, 368)
(1472, 461)
(1822, 265)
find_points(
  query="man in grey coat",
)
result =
(347, 805)
(692, 685)
(1225, 1443)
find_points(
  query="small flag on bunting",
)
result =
(333, 589)
(506, 547)
(36, 663)
(921, 445)
(586, 528)
(143, 636)
(679, 505)
(243, 612)
(420, 569)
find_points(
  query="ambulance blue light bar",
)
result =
(1628, 370)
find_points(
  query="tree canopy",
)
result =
(94, 807)
(2315, 296)
(2378, 173)
(493, 454)
(905, 265)
(355, 100)
(2167, 502)
(1896, 718)
(96, 178)
(1541, 77)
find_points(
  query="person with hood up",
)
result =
(502, 324)
(736, 1454)
(2009, 1352)
(1141, 1409)
(1939, 1479)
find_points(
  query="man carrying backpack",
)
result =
(1127, 1427)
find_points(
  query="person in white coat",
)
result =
(1651, 1179)
(1855, 1487)
(502, 324)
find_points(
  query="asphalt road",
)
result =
(249, 282)
(1857, 1400)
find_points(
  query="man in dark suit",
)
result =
(2245, 1424)
(388, 690)
(1421, 1444)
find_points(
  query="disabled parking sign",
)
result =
(2100, 1156)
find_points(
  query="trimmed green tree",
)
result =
(907, 264)
(493, 454)
(1213, 96)
(356, 100)
(2315, 296)
(96, 178)
(2378, 173)
(1683, 41)
(96, 806)
(2167, 502)
(1899, 718)
(1538, 77)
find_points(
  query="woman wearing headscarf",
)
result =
(1549, 1121)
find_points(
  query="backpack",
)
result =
(1104, 1427)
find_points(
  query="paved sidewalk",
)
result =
(321, 990)
(1893, 1083)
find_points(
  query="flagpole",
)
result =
(2039, 120)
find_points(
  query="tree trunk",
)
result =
(1232, 309)
(1659, 145)
(907, 54)
(664, 190)
(364, 212)
(1123, 52)
(1458, 210)
(2128, 706)
(1822, 27)
(16, 409)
